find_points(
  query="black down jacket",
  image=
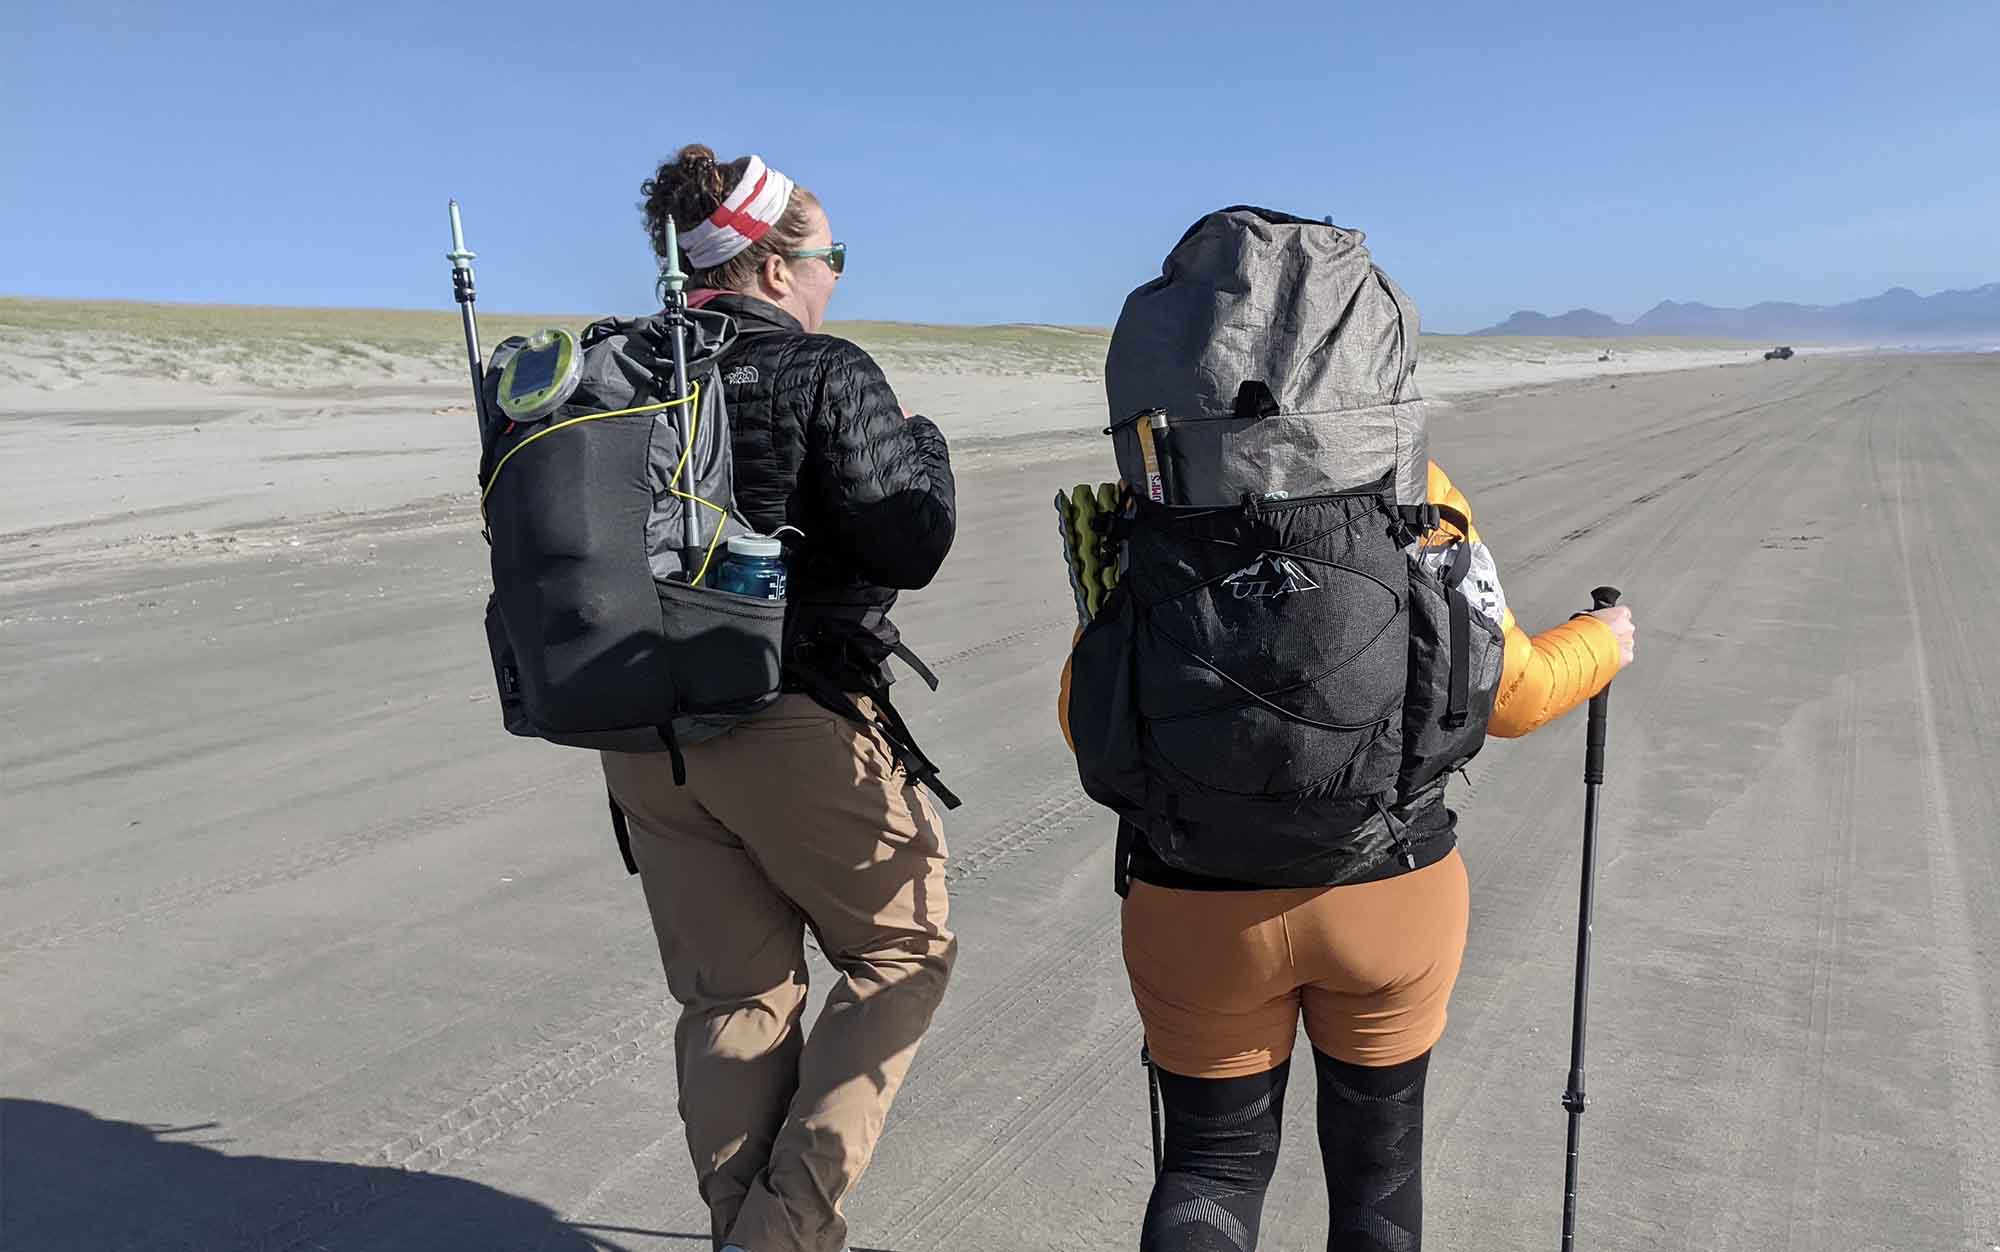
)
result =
(821, 444)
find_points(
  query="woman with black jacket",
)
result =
(812, 813)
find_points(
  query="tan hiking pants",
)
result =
(795, 819)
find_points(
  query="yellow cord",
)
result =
(588, 417)
(687, 450)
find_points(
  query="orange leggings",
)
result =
(1221, 977)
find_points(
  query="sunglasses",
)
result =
(835, 257)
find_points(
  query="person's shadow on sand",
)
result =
(71, 1180)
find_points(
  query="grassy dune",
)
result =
(249, 336)
(401, 332)
(44, 342)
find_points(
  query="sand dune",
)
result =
(57, 346)
(142, 431)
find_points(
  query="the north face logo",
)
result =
(1270, 578)
(741, 376)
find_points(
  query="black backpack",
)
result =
(603, 629)
(1287, 668)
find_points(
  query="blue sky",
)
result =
(990, 162)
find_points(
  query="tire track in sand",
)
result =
(268, 872)
(590, 1052)
(1966, 1043)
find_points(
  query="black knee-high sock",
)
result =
(1371, 1141)
(1222, 1146)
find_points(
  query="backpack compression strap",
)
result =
(1424, 519)
(1458, 705)
(621, 831)
(916, 663)
(620, 828)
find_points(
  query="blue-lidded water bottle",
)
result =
(755, 566)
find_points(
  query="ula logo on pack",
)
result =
(1269, 578)
(741, 376)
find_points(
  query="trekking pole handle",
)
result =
(1600, 704)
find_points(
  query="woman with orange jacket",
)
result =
(1222, 973)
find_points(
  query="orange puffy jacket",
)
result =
(1543, 676)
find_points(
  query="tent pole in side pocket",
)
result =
(673, 290)
(1164, 451)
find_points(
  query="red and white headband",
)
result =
(745, 217)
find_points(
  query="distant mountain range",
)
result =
(1897, 316)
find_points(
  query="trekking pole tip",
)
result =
(459, 256)
(673, 278)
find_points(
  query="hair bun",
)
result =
(696, 160)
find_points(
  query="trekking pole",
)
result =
(1158, 1118)
(463, 290)
(673, 292)
(1593, 777)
